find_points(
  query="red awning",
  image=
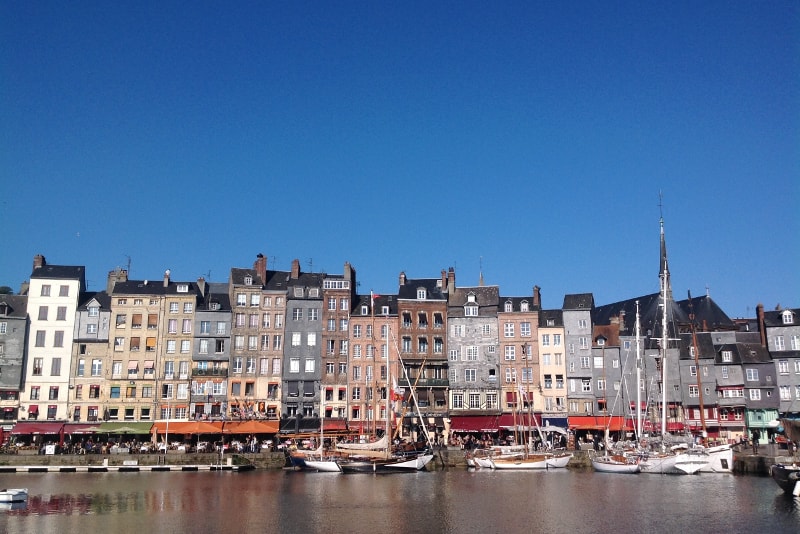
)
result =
(614, 423)
(33, 408)
(31, 427)
(508, 420)
(334, 424)
(474, 423)
(251, 427)
(80, 428)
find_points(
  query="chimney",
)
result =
(23, 287)
(402, 278)
(537, 297)
(166, 278)
(260, 267)
(762, 328)
(38, 262)
(622, 315)
(115, 276)
(201, 285)
(295, 269)
(451, 279)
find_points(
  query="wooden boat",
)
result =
(12, 495)
(616, 464)
(787, 477)
(531, 461)
(399, 464)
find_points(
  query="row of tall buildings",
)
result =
(295, 346)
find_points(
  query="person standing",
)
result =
(756, 435)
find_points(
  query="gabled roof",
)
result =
(578, 301)
(277, 280)
(153, 287)
(102, 299)
(486, 297)
(752, 353)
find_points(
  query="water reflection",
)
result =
(451, 501)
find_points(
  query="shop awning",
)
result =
(474, 423)
(251, 427)
(335, 424)
(614, 423)
(149, 364)
(133, 365)
(122, 427)
(32, 427)
(187, 427)
(509, 420)
(81, 428)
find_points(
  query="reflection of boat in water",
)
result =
(13, 495)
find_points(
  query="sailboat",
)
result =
(378, 456)
(678, 460)
(317, 461)
(786, 475)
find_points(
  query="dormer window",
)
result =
(248, 280)
(94, 311)
(384, 310)
(421, 293)
(601, 341)
(183, 288)
(471, 310)
(364, 310)
(507, 307)
(523, 306)
(298, 292)
(787, 317)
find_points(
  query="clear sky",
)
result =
(529, 139)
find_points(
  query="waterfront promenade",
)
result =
(745, 462)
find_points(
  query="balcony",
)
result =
(424, 382)
(210, 372)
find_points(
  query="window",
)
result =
(508, 329)
(470, 375)
(331, 303)
(186, 346)
(45, 292)
(187, 326)
(794, 342)
(752, 375)
(58, 338)
(171, 343)
(421, 293)
(237, 364)
(525, 329)
(727, 356)
(787, 317)
(471, 310)
(34, 393)
(598, 362)
(38, 363)
(783, 367)
(692, 370)
(174, 307)
(276, 341)
(510, 352)
(356, 330)
(779, 343)
(55, 367)
(545, 340)
(344, 304)
(785, 393)
(586, 385)
(755, 394)
(458, 400)
(694, 391)
(297, 314)
(294, 365)
(312, 339)
(241, 299)
(474, 401)
(296, 339)
(582, 323)
(583, 343)
(584, 362)
(39, 338)
(601, 384)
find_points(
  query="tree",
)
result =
(5, 290)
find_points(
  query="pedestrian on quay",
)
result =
(756, 435)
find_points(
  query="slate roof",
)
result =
(277, 280)
(556, 315)
(102, 298)
(380, 302)
(578, 301)
(17, 304)
(60, 272)
(516, 304)
(153, 287)
(486, 297)
(408, 291)
(238, 275)
(775, 317)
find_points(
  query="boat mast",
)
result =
(697, 370)
(638, 377)
(664, 279)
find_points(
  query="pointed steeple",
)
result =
(663, 269)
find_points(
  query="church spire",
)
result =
(663, 270)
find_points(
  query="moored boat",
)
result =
(616, 464)
(787, 477)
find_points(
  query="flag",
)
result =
(372, 297)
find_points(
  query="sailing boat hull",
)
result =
(720, 460)
(610, 464)
(787, 477)
(539, 461)
(323, 466)
(393, 465)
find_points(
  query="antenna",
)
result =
(274, 262)
(208, 275)
(661, 204)
(129, 264)
(310, 265)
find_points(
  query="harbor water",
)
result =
(456, 500)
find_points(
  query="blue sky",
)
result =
(529, 139)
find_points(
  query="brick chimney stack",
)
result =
(295, 269)
(201, 285)
(762, 328)
(537, 297)
(38, 262)
(402, 278)
(451, 279)
(166, 278)
(260, 267)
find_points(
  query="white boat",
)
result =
(323, 466)
(720, 459)
(12, 495)
(316, 460)
(616, 464)
(691, 461)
